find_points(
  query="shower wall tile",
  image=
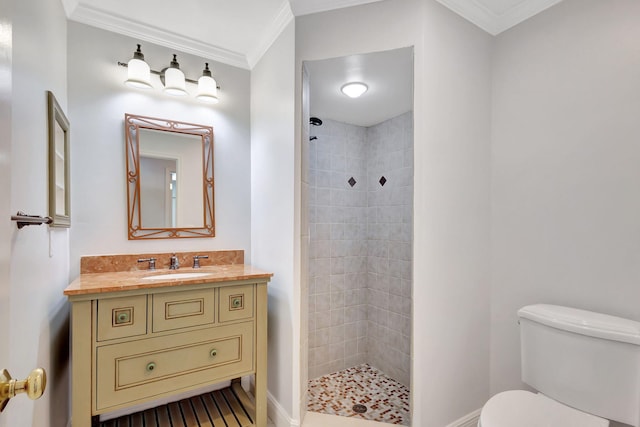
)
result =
(360, 266)
(339, 224)
(389, 232)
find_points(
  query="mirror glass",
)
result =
(170, 178)
(59, 196)
(170, 190)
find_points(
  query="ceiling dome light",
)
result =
(174, 79)
(354, 89)
(138, 71)
(207, 87)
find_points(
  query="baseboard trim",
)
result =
(281, 418)
(278, 415)
(469, 420)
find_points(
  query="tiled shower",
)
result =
(360, 223)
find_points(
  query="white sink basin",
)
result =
(170, 276)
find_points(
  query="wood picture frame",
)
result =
(59, 191)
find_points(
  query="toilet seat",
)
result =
(525, 409)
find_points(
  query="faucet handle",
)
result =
(196, 260)
(151, 261)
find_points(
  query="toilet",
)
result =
(585, 367)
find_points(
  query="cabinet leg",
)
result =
(261, 356)
(81, 391)
(261, 401)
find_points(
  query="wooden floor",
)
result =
(229, 407)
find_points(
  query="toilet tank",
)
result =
(586, 360)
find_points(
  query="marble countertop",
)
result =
(93, 283)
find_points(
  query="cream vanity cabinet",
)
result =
(131, 346)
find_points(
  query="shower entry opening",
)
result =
(360, 210)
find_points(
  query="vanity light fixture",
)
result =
(172, 78)
(354, 89)
(207, 87)
(139, 73)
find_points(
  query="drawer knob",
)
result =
(213, 353)
(236, 302)
(151, 366)
(123, 317)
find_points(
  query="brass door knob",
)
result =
(33, 386)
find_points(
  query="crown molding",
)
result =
(522, 12)
(69, 6)
(121, 25)
(493, 23)
(314, 6)
(277, 26)
(475, 13)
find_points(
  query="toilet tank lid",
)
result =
(583, 322)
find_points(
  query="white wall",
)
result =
(451, 197)
(451, 219)
(98, 100)
(6, 226)
(273, 220)
(39, 256)
(565, 155)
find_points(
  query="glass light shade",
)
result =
(354, 89)
(207, 90)
(139, 75)
(174, 82)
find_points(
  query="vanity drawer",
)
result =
(121, 317)
(235, 303)
(175, 310)
(137, 371)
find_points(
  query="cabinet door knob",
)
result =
(236, 302)
(213, 353)
(151, 366)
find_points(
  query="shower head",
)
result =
(315, 121)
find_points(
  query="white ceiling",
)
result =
(388, 74)
(239, 32)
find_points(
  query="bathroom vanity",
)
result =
(142, 335)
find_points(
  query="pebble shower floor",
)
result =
(386, 399)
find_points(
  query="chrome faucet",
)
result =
(174, 263)
(196, 260)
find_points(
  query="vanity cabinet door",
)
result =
(236, 303)
(176, 310)
(121, 317)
